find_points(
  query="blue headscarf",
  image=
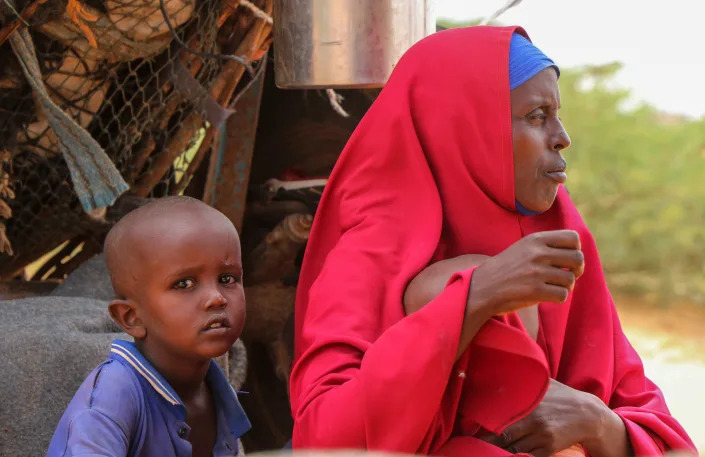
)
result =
(525, 60)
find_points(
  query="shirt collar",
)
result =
(224, 395)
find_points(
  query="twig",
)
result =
(89, 249)
(176, 145)
(195, 162)
(145, 149)
(12, 7)
(335, 99)
(56, 259)
(26, 14)
(249, 84)
(232, 71)
(502, 10)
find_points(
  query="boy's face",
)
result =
(188, 286)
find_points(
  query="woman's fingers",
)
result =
(560, 239)
(531, 444)
(552, 293)
(559, 277)
(572, 259)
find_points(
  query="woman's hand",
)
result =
(541, 267)
(566, 417)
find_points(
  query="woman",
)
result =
(461, 154)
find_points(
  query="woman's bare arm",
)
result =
(433, 279)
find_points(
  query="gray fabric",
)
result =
(90, 280)
(49, 345)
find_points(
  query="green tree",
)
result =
(637, 177)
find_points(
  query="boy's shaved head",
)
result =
(129, 242)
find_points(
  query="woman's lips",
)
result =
(559, 176)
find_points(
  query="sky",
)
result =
(660, 42)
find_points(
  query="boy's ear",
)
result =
(124, 312)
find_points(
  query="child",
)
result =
(177, 274)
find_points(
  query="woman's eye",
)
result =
(183, 284)
(229, 279)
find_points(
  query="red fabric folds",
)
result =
(428, 175)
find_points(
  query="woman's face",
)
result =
(538, 138)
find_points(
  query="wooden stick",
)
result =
(145, 149)
(223, 87)
(90, 248)
(259, 14)
(195, 162)
(175, 146)
(221, 90)
(172, 104)
(230, 8)
(55, 260)
(26, 14)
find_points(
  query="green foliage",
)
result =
(638, 179)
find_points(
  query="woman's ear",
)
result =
(124, 312)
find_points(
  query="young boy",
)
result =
(177, 274)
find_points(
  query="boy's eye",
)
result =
(183, 284)
(229, 279)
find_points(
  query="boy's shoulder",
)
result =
(116, 382)
(104, 411)
(112, 389)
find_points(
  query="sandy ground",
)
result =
(671, 343)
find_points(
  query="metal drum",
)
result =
(345, 43)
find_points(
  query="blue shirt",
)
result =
(126, 408)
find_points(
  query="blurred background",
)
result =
(634, 106)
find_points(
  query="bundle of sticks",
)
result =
(110, 66)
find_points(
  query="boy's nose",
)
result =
(216, 300)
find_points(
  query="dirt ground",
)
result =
(671, 343)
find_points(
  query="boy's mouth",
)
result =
(217, 322)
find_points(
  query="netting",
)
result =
(117, 70)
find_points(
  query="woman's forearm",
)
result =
(428, 284)
(476, 315)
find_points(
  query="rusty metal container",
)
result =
(345, 43)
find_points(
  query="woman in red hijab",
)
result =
(459, 155)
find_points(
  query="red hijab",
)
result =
(429, 175)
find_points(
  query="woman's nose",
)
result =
(561, 140)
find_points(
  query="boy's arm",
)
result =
(93, 433)
(428, 284)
